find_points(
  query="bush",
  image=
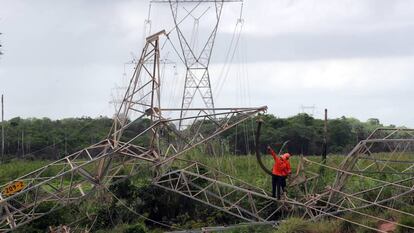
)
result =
(294, 225)
(137, 228)
(368, 223)
(347, 227)
(405, 220)
(297, 225)
(324, 227)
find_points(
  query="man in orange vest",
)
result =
(281, 169)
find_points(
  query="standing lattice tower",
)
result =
(196, 51)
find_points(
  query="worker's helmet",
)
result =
(285, 156)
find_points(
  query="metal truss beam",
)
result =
(67, 181)
(224, 192)
(385, 153)
(395, 141)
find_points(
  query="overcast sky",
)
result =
(354, 57)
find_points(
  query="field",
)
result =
(245, 168)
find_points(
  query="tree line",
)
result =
(306, 134)
(52, 139)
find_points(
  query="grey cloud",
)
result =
(65, 56)
(394, 42)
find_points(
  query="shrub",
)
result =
(405, 220)
(137, 228)
(368, 223)
(347, 227)
(294, 225)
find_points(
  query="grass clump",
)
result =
(137, 228)
(408, 221)
(294, 225)
(368, 223)
(297, 225)
(347, 227)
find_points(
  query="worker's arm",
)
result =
(274, 155)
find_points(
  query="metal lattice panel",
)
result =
(226, 193)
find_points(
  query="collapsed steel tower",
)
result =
(122, 154)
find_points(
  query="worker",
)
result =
(286, 172)
(279, 173)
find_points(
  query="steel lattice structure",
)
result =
(378, 164)
(224, 192)
(364, 161)
(121, 155)
(197, 78)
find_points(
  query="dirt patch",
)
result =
(387, 227)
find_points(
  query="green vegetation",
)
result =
(406, 220)
(305, 134)
(176, 210)
(52, 139)
(16, 168)
(46, 140)
(297, 225)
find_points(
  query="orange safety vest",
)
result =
(287, 170)
(279, 168)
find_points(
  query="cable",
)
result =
(229, 57)
(391, 161)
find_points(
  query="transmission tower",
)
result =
(310, 110)
(196, 57)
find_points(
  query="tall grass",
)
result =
(16, 168)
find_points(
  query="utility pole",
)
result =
(23, 142)
(2, 127)
(325, 137)
(66, 145)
